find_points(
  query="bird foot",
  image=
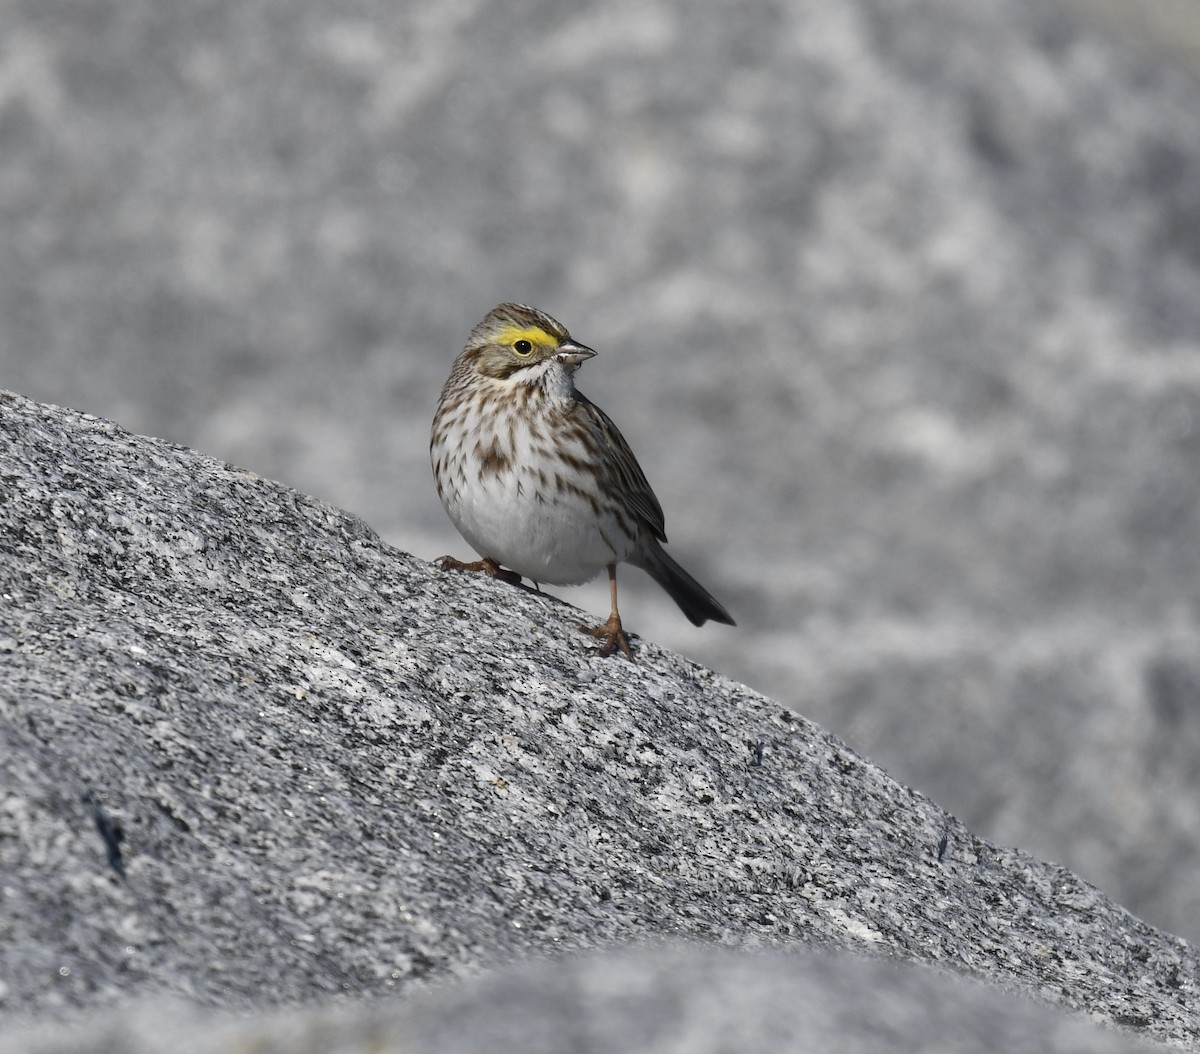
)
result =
(487, 565)
(612, 634)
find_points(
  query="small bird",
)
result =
(536, 477)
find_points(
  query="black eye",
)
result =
(522, 347)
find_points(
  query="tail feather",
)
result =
(696, 602)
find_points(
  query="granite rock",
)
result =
(895, 300)
(646, 1001)
(253, 756)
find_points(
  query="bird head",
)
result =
(515, 338)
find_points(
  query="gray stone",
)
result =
(252, 756)
(702, 1001)
(896, 301)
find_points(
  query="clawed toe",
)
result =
(486, 565)
(613, 636)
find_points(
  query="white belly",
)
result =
(556, 539)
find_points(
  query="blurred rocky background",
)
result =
(897, 302)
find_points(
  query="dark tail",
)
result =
(696, 602)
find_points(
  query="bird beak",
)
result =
(571, 354)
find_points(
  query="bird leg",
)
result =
(487, 565)
(611, 631)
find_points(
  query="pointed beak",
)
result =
(571, 354)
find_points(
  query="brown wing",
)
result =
(624, 472)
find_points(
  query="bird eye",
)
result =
(522, 347)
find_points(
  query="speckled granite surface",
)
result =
(252, 756)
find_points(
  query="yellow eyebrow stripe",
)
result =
(535, 335)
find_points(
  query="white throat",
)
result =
(556, 381)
